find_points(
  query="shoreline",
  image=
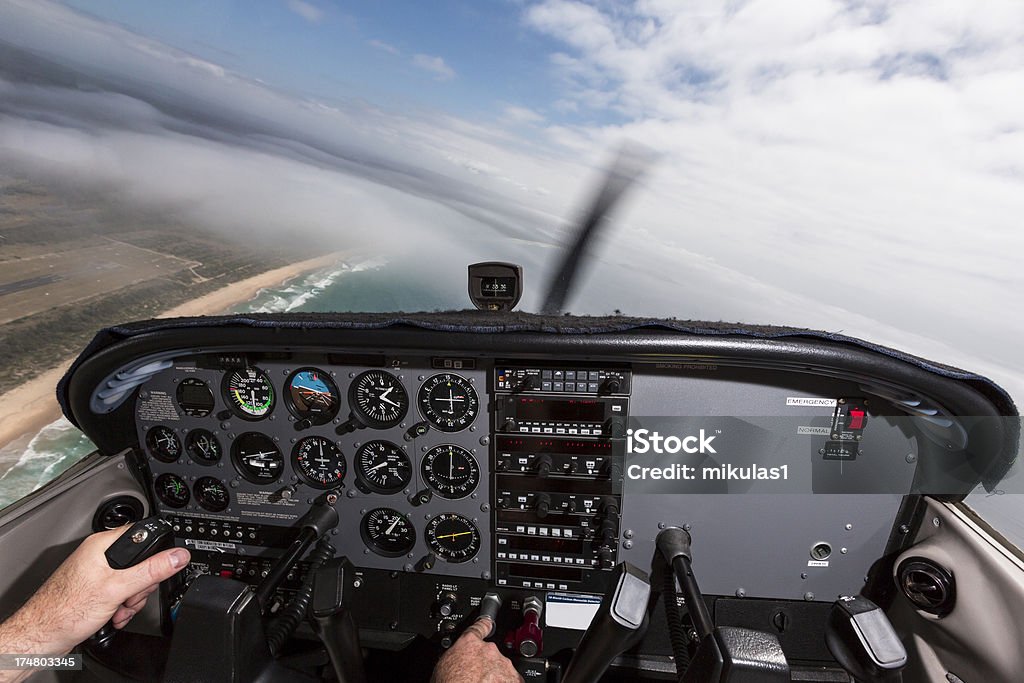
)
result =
(27, 409)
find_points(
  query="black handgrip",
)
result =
(141, 541)
(863, 641)
(620, 622)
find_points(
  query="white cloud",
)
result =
(516, 115)
(307, 11)
(435, 65)
(385, 47)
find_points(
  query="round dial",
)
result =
(319, 462)
(195, 398)
(203, 447)
(383, 467)
(249, 392)
(378, 399)
(453, 537)
(172, 490)
(212, 494)
(163, 444)
(312, 395)
(451, 470)
(257, 458)
(448, 402)
(387, 532)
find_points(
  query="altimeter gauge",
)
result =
(378, 399)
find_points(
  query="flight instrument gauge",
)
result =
(163, 444)
(203, 447)
(319, 462)
(249, 392)
(378, 399)
(387, 532)
(382, 467)
(451, 470)
(452, 537)
(257, 458)
(194, 397)
(448, 402)
(211, 494)
(312, 396)
(172, 490)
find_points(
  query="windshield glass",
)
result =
(849, 166)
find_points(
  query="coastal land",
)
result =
(69, 267)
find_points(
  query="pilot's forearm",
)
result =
(27, 632)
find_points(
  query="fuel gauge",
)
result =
(211, 494)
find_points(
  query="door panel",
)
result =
(42, 529)
(980, 639)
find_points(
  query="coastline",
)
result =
(27, 409)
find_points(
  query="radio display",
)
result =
(562, 410)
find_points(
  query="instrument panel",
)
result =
(240, 445)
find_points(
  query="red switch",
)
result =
(855, 419)
(227, 573)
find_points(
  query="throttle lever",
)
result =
(139, 542)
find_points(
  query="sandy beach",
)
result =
(30, 407)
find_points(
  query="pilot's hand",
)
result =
(84, 592)
(474, 660)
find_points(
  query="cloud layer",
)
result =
(854, 166)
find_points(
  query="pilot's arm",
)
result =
(474, 660)
(79, 598)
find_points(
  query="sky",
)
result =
(848, 165)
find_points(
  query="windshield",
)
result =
(856, 167)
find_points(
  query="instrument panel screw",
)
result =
(351, 493)
(485, 575)
(357, 583)
(407, 567)
(849, 527)
(844, 550)
(485, 508)
(686, 527)
(803, 575)
(936, 522)
(662, 525)
(628, 533)
(808, 596)
(485, 440)
(911, 457)
(627, 545)
(393, 625)
(904, 529)
(741, 593)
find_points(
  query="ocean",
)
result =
(365, 286)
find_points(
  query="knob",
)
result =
(543, 465)
(528, 639)
(447, 605)
(604, 558)
(543, 505)
(426, 562)
(571, 507)
(574, 467)
(611, 386)
(607, 533)
(504, 503)
(609, 506)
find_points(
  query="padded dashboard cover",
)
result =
(477, 322)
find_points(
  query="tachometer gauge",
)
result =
(448, 402)
(194, 397)
(249, 392)
(378, 399)
(163, 444)
(257, 458)
(451, 470)
(453, 537)
(383, 467)
(172, 490)
(387, 532)
(318, 462)
(312, 396)
(203, 447)
(212, 494)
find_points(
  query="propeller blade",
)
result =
(629, 164)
